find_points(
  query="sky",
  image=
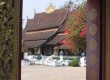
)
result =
(30, 6)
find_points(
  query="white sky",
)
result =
(39, 6)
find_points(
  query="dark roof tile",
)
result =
(38, 35)
(48, 20)
(59, 37)
(33, 44)
(28, 24)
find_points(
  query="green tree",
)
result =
(76, 30)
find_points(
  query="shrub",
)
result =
(75, 62)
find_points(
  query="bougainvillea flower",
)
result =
(83, 32)
(68, 30)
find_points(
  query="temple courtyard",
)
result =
(41, 72)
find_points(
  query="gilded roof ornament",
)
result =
(50, 9)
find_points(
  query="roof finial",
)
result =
(50, 8)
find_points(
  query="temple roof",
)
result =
(44, 26)
(62, 29)
(57, 39)
(39, 35)
(33, 44)
(64, 26)
(45, 21)
(28, 24)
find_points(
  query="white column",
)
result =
(39, 50)
(61, 55)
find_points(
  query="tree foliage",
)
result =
(76, 30)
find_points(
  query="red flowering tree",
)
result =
(76, 30)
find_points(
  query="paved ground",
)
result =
(40, 72)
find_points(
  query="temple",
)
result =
(43, 33)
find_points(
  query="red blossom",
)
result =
(83, 32)
(68, 30)
(65, 41)
(76, 20)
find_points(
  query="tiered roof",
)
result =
(48, 20)
(58, 38)
(45, 28)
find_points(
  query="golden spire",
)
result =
(50, 8)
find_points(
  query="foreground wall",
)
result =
(9, 39)
(107, 39)
(94, 40)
